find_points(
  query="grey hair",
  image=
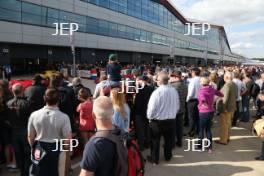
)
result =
(17, 89)
(103, 108)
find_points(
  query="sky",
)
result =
(243, 21)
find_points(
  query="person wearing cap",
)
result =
(113, 69)
(141, 105)
(35, 93)
(177, 82)
(19, 112)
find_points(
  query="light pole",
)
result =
(73, 54)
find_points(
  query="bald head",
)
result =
(17, 89)
(228, 76)
(163, 78)
(103, 108)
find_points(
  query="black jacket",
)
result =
(19, 112)
(34, 95)
(142, 99)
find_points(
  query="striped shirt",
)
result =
(163, 103)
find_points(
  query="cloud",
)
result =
(242, 19)
(235, 12)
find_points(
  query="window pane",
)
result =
(31, 13)
(149, 36)
(93, 1)
(143, 36)
(92, 25)
(10, 10)
(137, 34)
(53, 17)
(113, 29)
(104, 3)
(114, 5)
(122, 6)
(130, 33)
(122, 31)
(103, 27)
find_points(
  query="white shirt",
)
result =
(98, 88)
(259, 82)
(241, 87)
(163, 103)
(193, 88)
(49, 123)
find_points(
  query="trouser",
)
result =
(162, 128)
(179, 128)
(245, 109)
(22, 150)
(186, 116)
(193, 115)
(205, 126)
(225, 125)
(262, 151)
(48, 166)
(142, 131)
(236, 114)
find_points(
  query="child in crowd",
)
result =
(85, 108)
(260, 105)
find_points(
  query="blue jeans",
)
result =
(205, 121)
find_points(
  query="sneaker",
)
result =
(11, 166)
(151, 161)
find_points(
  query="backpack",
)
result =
(130, 160)
(255, 89)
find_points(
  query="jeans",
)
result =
(22, 150)
(245, 105)
(205, 126)
(193, 112)
(166, 129)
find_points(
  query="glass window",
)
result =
(53, 17)
(104, 3)
(149, 37)
(165, 16)
(130, 33)
(44, 16)
(113, 4)
(161, 15)
(122, 31)
(93, 1)
(91, 25)
(156, 13)
(150, 11)
(131, 8)
(10, 10)
(143, 36)
(137, 34)
(103, 27)
(122, 6)
(137, 8)
(113, 29)
(145, 9)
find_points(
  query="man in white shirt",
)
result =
(162, 110)
(241, 89)
(192, 101)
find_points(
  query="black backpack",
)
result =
(255, 89)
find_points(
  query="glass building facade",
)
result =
(28, 13)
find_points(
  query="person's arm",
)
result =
(67, 133)
(218, 93)
(86, 173)
(191, 89)
(226, 96)
(152, 105)
(31, 132)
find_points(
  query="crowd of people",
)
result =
(162, 101)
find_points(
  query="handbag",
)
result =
(258, 128)
(37, 153)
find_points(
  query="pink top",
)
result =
(206, 98)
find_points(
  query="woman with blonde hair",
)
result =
(121, 116)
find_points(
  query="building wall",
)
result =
(28, 34)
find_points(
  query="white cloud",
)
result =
(245, 15)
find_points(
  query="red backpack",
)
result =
(130, 160)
